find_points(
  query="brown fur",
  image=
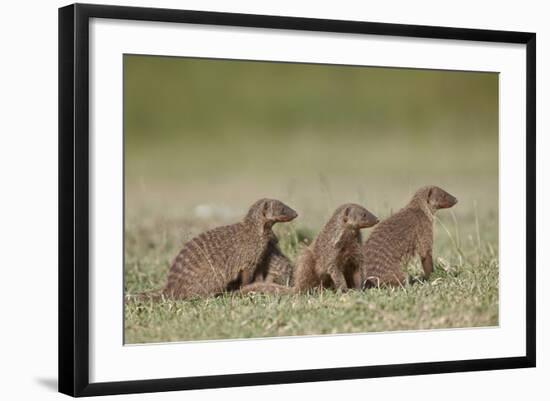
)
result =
(334, 259)
(276, 267)
(217, 259)
(407, 233)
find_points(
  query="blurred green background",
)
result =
(223, 133)
(169, 98)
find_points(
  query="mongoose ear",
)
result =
(346, 214)
(429, 199)
(265, 208)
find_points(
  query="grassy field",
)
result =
(373, 140)
(456, 296)
(462, 292)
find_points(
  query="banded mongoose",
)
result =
(209, 263)
(402, 236)
(334, 259)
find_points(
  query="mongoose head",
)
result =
(355, 216)
(436, 198)
(270, 211)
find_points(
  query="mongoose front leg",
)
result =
(427, 264)
(337, 278)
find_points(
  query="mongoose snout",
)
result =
(276, 211)
(284, 214)
(362, 218)
(440, 198)
(352, 218)
(267, 212)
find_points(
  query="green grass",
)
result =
(462, 291)
(466, 297)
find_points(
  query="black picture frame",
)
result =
(74, 198)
